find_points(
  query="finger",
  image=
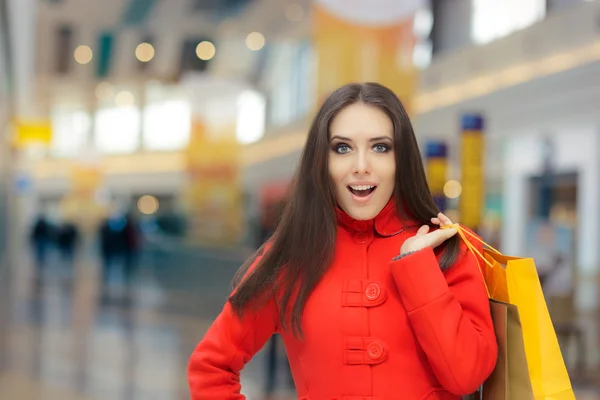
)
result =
(423, 230)
(440, 236)
(444, 219)
(445, 234)
(435, 221)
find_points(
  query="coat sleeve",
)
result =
(214, 366)
(450, 315)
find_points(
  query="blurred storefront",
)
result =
(537, 90)
(448, 60)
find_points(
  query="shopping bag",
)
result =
(510, 378)
(515, 281)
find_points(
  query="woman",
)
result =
(371, 302)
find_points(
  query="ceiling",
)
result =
(114, 28)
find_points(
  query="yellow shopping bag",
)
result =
(515, 281)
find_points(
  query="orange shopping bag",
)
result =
(515, 282)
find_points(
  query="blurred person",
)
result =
(106, 243)
(67, 237)
(371, 298)
(131, 246)
(112, 244)
(41, 237)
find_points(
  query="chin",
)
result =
(363, 214)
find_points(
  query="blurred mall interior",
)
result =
(146, 147)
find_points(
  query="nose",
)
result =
(361, 163)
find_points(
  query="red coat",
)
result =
(375, 329)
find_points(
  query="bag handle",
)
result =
(463, 234)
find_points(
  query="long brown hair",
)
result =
(301, 248)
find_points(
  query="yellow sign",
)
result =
(214, 194)
(85, 180)
(472, 198)
(351, 50)
(79, 205)
(436, 174)
(436, 168)
(33, 132)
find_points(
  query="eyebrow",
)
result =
(375, 139)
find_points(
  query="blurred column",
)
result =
(365, 40)
(4, 165)
(471, 201)
(22, 16)
(437, 167)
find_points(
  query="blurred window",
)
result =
(281, 94)
(117, 129)
(493, 19)
(167, 118)
(71, 128)
(251, 117)
(281, 108)
(292, 93)
(167, 125)
(305, 80)
(422, 31)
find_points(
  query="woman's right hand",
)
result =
(423, 238)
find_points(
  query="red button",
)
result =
(375, 350)
(360, 237)
(373, 291)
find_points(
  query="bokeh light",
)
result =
(83, 54)
(144, 52)
(148, 204)
(205, 50)
(452, 189)
(255, 41)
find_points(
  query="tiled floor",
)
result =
(69, 339)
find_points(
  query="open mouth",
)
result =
(361, 190)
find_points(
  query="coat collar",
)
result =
(386, 223)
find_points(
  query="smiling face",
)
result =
(362, 167)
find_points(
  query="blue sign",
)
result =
(22, 183)
(472, 122)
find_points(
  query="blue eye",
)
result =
(381, 148)
(342, 148)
